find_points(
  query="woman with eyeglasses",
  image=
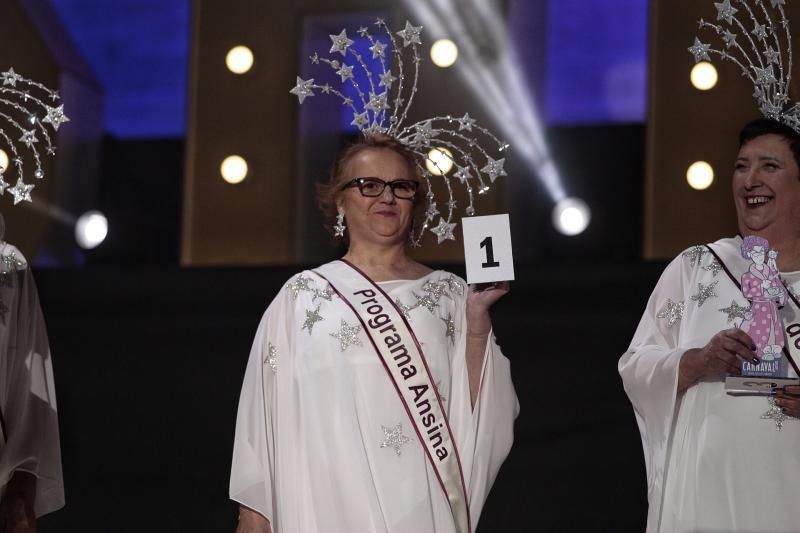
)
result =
(375, 398)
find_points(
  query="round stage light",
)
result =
(3, 161)
(704, 76)
(439, 161)
(700, 175)
(234, 169)
(91, 229)
(571, 216)
(239, 59)
(444, 53)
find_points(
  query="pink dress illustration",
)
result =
(762, 286)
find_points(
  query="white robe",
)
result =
(713, 465)
(308, 449)
(27, 390)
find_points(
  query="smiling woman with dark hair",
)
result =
(715, 461)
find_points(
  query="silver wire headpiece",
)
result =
(760, 54)
(24, 110)
(384, 110)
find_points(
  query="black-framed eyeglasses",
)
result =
(372, 187)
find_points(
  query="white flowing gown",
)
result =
(29, 440)
(323, 443)
(713, 464)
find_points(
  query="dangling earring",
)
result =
(339, 227)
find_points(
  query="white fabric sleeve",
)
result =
(649, 371)
(253, 469)
(29, 407)
(484, 434)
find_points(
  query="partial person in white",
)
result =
(716, 462)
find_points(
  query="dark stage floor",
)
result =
(149, 362)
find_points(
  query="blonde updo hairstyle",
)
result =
(328, 193)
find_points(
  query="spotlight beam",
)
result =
(495, 81)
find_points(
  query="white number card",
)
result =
(487, 249)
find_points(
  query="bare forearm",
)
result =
(478, 327)
(252, 522)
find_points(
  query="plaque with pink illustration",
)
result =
(762, 287)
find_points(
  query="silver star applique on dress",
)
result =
(272, 357)
(734, 311)
(394, 438)
(695, 254)
(714, 267)
(312, 317)
(704, 292)
(775, 413)
(347, 335)
(672, 312)
(300, 284)
(450, 329)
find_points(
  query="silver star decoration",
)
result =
(423, 134)
(700, 51)
(772, 56)
(729, 38)
(455, 285)
(427, 301)
(29, 138)
(444, 231)
(340, 43)
(672, 312)
(363, 31)
(326, 294)
(387, 79)
(300, 284)
(347, 101)
(410, 34)
(450, 329)
(776, 3)
(760, 31)
(272, 357)
(302, 89)
(725, 11)
(378, 49)
(55, 116)
(314, 59)
(404, 309)
(494, 168)
(466, 122)
(10, 77)
(21, 191)
(704, 292)
(775, 413)
(734, 311)
(377, 102)
(714, 267)
(431, 211)
(394, 438)
(695, 254)
(347, 335)
(462, 174)
(312, 317)
(766, 75)
(11, 263)
(360, 120)
(345, 71)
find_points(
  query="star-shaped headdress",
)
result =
(28, 111)
(382, 107)
(752, 39)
